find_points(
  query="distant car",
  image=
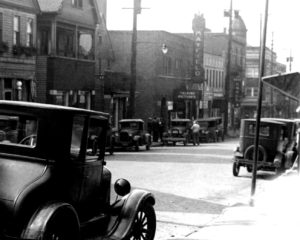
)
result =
(54, 183)
(180, 131)
(211, 129)
(276, 149)
(132, 134)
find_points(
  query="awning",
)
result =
(288, 84)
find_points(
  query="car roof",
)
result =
(208, 119)
(21, 105)
(265, 120)
(181, 120)
(130, 120)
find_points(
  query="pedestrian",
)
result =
(155, 128)
(195, 132)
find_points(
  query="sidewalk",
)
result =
(275, 215)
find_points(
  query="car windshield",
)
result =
(179, 124)
(18, 129)
(131, 125)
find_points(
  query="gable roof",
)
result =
(52, 6)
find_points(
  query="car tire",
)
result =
(136, 147)
(262, 154)
(249, 169)
(144, 225)
(147, 146)
(235, 169)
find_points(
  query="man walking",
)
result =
(195, 131)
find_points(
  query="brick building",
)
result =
(69, 38)
(159, 74)
(17, 49)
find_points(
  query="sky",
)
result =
(176, 16)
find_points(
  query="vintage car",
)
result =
(180, 131)
(54, 183)
(276, 148)
(210, 129)
(132, 134)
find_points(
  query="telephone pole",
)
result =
(228, 68)
(131, 107)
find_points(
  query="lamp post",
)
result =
(19, 89)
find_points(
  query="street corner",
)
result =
(179, 225)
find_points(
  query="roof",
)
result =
(52, 6)
(15, 105)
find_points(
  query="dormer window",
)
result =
(77, 3)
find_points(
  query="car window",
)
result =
(263, 130)
(77, 130)
(18, 129)
(95, 135)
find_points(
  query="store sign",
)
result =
(237, 92)
(188, 95)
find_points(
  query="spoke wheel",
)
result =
(144, 224)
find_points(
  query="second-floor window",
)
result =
(77, 3)
(29, 33)
(65, 43)
(16, 30)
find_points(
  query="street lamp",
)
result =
(19, 89)
(164, 49)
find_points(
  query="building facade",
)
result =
(273, 103)
(18, 23)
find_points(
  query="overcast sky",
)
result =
(177, 15)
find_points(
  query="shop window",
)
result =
(16, 39)
(65, 43)
(85, 45)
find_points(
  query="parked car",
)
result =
(180, 131)
(211, 129)
(277, 145)
(132, 134)
(54, 183)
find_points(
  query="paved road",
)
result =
(192, 184)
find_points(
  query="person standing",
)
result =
(195, 132)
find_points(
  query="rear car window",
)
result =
(18, 129)
(263, 130)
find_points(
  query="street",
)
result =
(191, 184)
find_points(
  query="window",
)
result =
(77, 131)
(16, 30)
(77, 3)
(264, 130)
(29, 33)
(95, 132)
(45, 42)
(18, 129)
(1, 27)
(85, 45)
(65, 42)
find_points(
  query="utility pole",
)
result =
(259, 103)
(131, 107)
(227, 103)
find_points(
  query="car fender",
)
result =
(127, 214)
(38, 222)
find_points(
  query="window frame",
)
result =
(17, 30)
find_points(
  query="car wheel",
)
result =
(60, 229)
(147, 146)
(144, 225)
(137, 147)
(235, 169)
(174, 143)
(249, 169)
